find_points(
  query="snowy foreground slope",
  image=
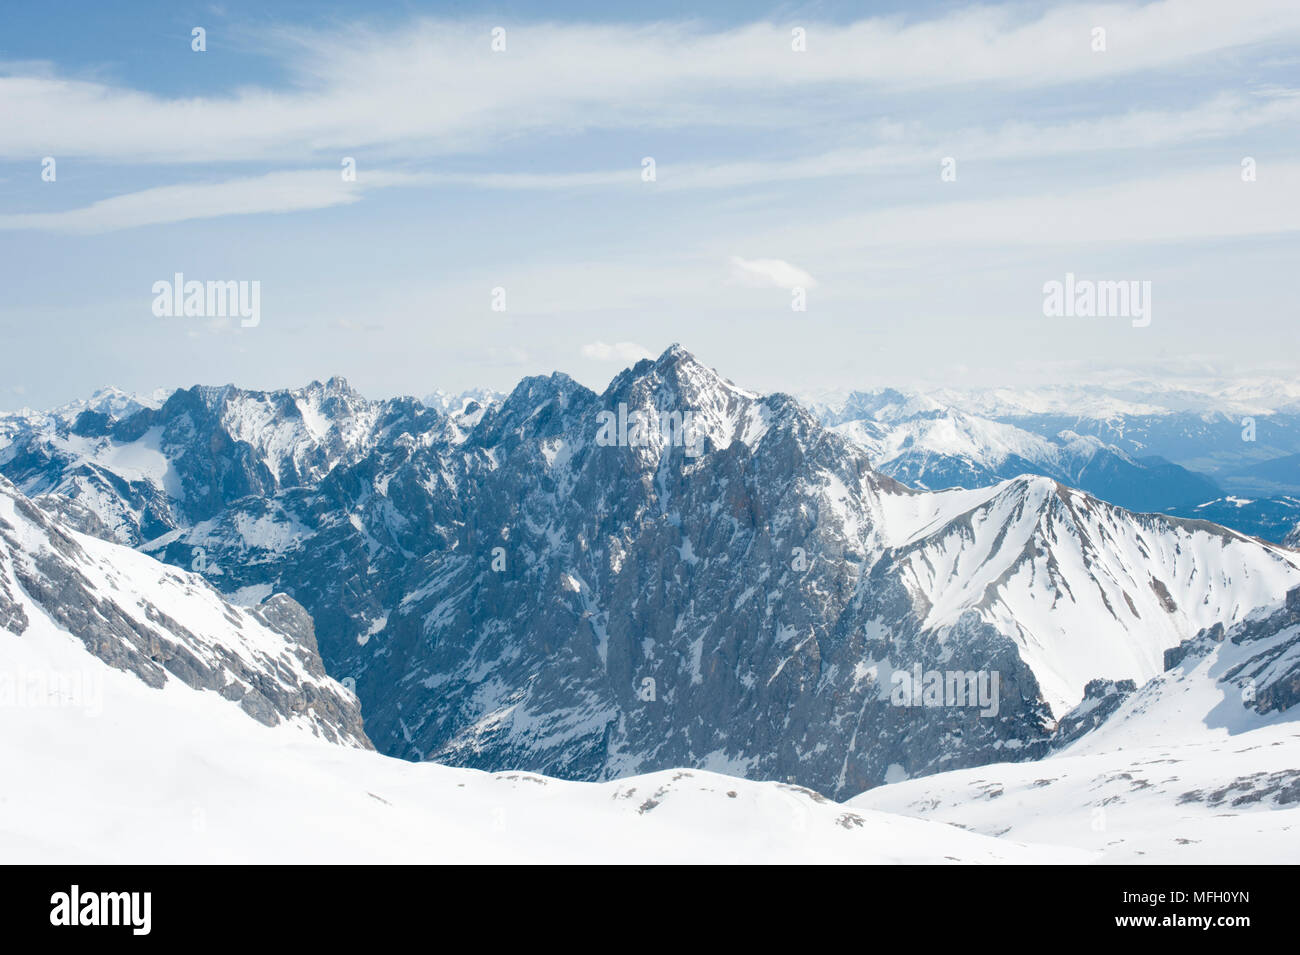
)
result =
(1229, 800)
(1200, 765)
(175, 775)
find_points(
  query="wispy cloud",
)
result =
(291, 191)
(1197, 204)
(457, 94)
(1222, 116)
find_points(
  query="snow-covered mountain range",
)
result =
(928, 445)
(1117, 394)
(516, 584)
(1239, 470)
(1197, 765)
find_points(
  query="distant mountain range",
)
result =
(1242, 471)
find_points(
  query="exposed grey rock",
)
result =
(1269, 677)
(1279, 789)
(75, 515)
(276, 674)
(1101, 698)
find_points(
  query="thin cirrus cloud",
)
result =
(456, 95)
(1205, 203)
(1221, 116)
(299, 190)
(435, 87)
(286, 191)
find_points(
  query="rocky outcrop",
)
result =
(113, 600)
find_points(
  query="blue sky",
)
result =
(522, 169)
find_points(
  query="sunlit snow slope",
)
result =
(1200, 765)
(177, 776)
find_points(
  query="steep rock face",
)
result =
(656, 609)
(140, 616)
(679, 572)
(1101, 698)
(1261, 660)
